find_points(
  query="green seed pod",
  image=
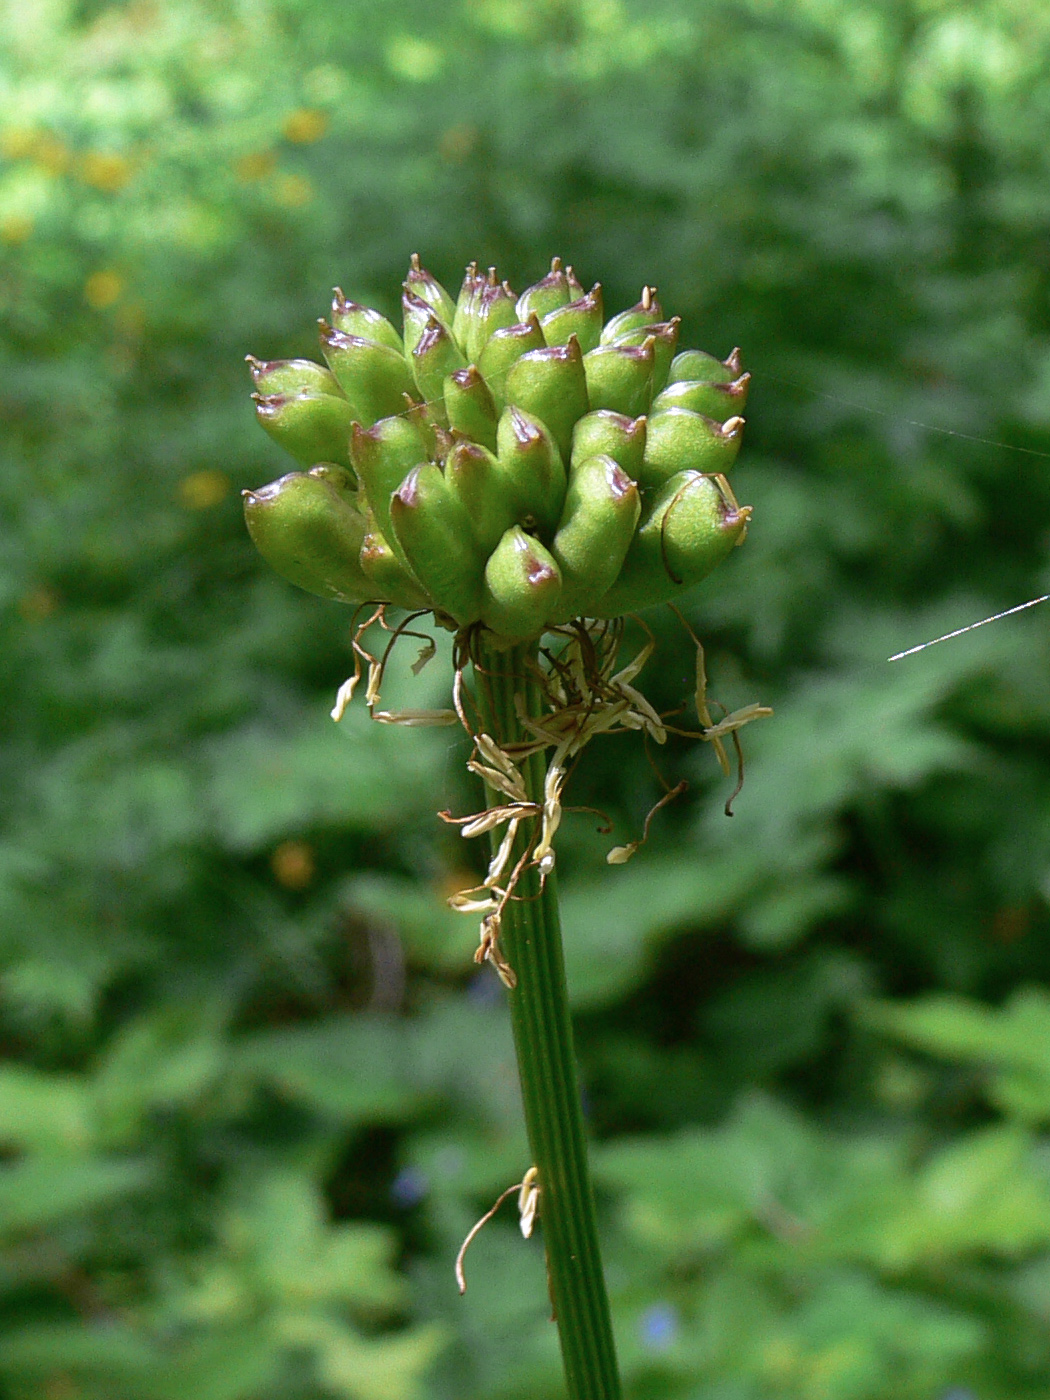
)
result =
(522, 584)
(435, 356)
(664, 335)
(427, 288)
(531, 469)
(479, 481)
(620, 377)
(551, 385)
(614, 435)
(353, 319)
(717, 401)
(677, 440)
(504, 350)
(695, 364)
(373, 377)
(602, 507)
(469, 406)
(647, 312)
(390, 579)
(581, 318)
(690, 526)
(417, 316)
(433, 529)
(382, 456)
(291, 377)
(545, 296)
(494, 311)
(466, 303)
(312, 427)
(311, 534)
(555, 468)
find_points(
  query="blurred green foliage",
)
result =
(253, 1092)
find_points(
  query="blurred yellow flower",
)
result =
(204, 489)
(305, 125)
(105, 170)
(15, 228)
(293, 865)
(41, 147)
(256, 165)
(103, 288)
(52, 155)
(19, 142)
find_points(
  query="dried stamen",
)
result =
(520, 1186)
(620, 855)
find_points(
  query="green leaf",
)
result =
(233, 1365)
(392, 1367)
(299, 1260)
(119, 1353)
(357, 1069)
(611, 924)
(43, 1111)
(166, 1058)
(767, 1178)
(42, 1191)
(981, 1194)
(1012, 1042)
(265, 784)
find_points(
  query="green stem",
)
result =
(530, 938)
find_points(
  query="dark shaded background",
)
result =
(253, 1089)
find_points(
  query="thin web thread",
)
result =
(912, 422)
(947, 637)
(946, 432)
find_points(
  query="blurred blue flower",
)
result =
(409, 1187)
(659, 1326)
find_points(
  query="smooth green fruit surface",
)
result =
(517, 461)
(310, 534)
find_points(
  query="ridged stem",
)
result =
(530, 939)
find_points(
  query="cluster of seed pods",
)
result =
(515, 461)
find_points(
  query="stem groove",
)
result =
(530, 936)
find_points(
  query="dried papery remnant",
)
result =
(482, 440)
(577, 691)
